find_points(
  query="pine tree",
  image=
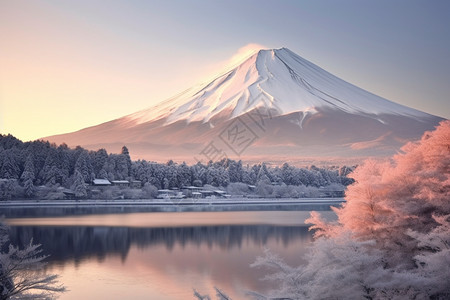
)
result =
(235, 171)
(83, 165)
(126, 154)
(184, 175)
(121, 170)
(100, 158)
(64, 163)
(29, 186)
(9, 167)
(78, 186)
(50, 172)
(28, 176)
(102, 174)
(286, 173)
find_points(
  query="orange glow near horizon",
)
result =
(44, 98)
(60, 74)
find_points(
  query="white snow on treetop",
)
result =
(277, 79)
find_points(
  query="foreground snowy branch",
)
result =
(22, 274)
(220, 295)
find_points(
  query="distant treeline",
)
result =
(23, 166)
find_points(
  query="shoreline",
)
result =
(49, 208)
(172, 202)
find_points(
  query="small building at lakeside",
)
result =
(120, 183)
(135, 184)
(170, 194)
(69, 194)
(101, 182)
(191, 188)
(196, 195)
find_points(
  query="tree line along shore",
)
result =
(41, 170)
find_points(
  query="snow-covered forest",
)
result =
(42, 170)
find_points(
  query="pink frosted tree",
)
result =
(405, 193)
(392, 236)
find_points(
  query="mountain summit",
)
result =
(278, 79)
(274, 106)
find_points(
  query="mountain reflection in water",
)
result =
(163, 255)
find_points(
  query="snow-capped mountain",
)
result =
(273, 106)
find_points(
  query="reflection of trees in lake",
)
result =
(66, 243)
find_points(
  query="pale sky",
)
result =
(67, 65)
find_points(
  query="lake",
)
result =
(163, 255)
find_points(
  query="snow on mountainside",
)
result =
(277, 79)
(308, 113)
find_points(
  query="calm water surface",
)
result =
(164, 255)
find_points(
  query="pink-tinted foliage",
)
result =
(393, 231)
(390, 197)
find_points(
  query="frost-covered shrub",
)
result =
(197, 183)
(281, 191)
(238, 188)
(264, 187)
(149, 191)
(309, 191)
(110, 193)
(10, 189)
(50, 192)
(132, 193)
(56, 195)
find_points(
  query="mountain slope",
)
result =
(274, 105)
(278, 79)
